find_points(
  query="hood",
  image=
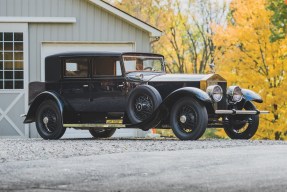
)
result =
(162, 77)
(179, 77)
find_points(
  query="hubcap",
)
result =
(187, 118)
(139, 107)
(46, 120)
(182, 119)
(49, 119)
(143, 107)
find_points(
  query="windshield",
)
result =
(143, 63)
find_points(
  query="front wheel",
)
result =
(243, 127)
(188, 119)
(49, 121)
(102, 133)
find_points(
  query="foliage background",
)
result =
(245, 39)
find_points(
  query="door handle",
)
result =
(85, 85)
(120, 85)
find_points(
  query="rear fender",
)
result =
(251, 96)
(63, 107)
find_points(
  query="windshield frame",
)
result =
(156, 56)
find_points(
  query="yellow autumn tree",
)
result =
(162, 14)
(187, 36)
(245, 56)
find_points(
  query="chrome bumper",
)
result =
(240, 112)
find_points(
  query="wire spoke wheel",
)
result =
(142, 103)
(242, 127)
(49, 121)
(188, 118)
(143, 106)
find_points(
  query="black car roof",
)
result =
(87, 54)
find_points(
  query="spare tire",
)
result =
(142, 102)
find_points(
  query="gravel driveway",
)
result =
(39, 149)
(118, 165)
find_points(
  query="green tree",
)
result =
(278, 19)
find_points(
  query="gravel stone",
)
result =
(39, 149)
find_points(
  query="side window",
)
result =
(76, 67)
(106, 66)
(11, 61)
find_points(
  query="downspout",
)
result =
(153, 40)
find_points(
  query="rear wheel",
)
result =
(49, 121)
(188, 119)
(102, 133)
(243, 127)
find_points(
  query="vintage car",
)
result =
(103, 91)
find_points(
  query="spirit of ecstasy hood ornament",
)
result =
(212, 67)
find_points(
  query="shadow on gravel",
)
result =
(122, 139)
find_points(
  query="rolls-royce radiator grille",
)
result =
(223, 103)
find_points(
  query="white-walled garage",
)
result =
(51, 27)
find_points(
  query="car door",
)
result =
(108, 94)
(75, 83)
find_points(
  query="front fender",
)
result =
(188, 91)
(30, 117)
(251, 96)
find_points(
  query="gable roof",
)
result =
(154, 32)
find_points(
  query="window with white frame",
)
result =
(11, 60)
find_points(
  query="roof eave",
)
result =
(153, 32)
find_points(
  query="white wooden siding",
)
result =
(93, 24)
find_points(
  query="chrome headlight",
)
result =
(215, 92)
(235, 93)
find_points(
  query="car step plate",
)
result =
(113, 125)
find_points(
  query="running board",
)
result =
(240, 112)
(94, 125)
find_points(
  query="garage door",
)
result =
(13, 79)
(50, 48)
